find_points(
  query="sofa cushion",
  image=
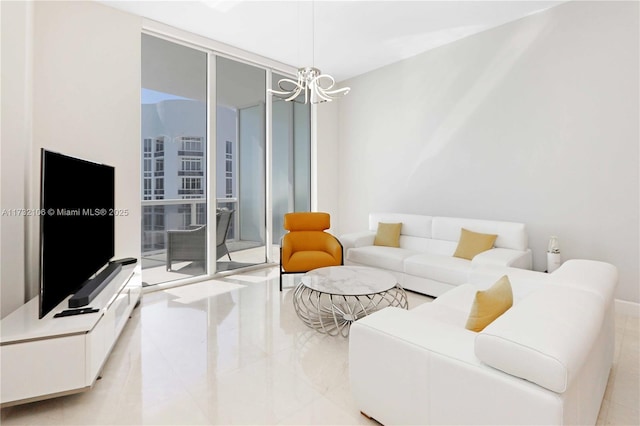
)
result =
(452, 270)
(439, 312)
(473, 243)
(544, 338)
(414, 243)
(452, 306)
(489, 304)
(459, 297)
(388, 234)
(523, 282)
(413, 225)
(511, 235)
(441, 247)
(390, 258)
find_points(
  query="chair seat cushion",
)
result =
(447, 269)
(304, 261)
(390, 258)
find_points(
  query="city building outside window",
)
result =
(159, 145)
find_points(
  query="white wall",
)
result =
(326, 173)
(14, 148)
(535, 121)
(85, 102)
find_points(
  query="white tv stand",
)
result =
(49, 357)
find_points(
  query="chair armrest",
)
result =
(285, 251)
(189, 231)
(184, 235)
(334, 248)
(504, 257)
(357, 239)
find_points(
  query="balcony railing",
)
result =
(177, 214)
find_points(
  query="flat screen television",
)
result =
(76, 224)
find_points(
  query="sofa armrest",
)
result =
(548, 349)
(504, 257)
(428, 369)
(357, 239)
(389, 360)
(433, 335)
(597, 277)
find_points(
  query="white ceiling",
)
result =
(351, 37)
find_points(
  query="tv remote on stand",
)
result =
(70, 312)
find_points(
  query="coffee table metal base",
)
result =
(333, 314)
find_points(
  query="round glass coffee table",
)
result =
(330, 299)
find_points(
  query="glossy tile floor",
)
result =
(232, 351)
(242, 254)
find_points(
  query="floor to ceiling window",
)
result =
(291, 159)
(174, 155)
(241, 140)
(176, 98)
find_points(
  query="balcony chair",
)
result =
(186, 244)
(223, 220)
(190, 244)
(306, 246)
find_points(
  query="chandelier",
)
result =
(315, 86)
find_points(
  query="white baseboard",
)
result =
(624, 307)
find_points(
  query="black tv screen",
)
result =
(76, 224)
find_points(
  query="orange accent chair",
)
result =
(306, 246)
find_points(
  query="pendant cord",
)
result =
(311, 85)
(299, 35)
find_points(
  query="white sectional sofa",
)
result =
(545, 361)
(424, 261)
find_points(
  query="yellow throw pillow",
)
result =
(490, 304)
(388, 234)
(472, 243)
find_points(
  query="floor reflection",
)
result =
(232, 351)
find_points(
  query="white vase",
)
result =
(554, 260)
(554, 246)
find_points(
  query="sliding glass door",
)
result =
(174, 161)
(241, 135)
(179, 237)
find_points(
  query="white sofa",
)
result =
(424, 261)
(545, 361)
